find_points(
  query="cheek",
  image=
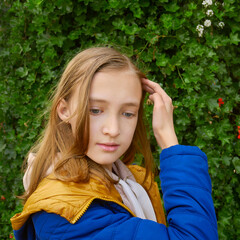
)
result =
(128, 131)
(94, 127)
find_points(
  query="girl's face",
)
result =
(114, 102)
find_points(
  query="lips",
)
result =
(108, 147)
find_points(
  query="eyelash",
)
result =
(126, 114)
(96, 111)
(93, 111)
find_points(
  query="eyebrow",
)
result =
(133, 104)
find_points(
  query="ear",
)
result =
(63, 110)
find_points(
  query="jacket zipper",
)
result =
(80, 214)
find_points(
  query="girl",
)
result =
(79, 183)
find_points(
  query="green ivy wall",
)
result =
(195, 60)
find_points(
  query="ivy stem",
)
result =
(143, 48)
(180, 75)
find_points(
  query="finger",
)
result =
(148, 89)
(157, 100)
(160, 107)
(155, 87)
(152, 87)
(160, 102)
(166, 99)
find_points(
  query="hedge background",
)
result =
(201, 74)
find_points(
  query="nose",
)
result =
(111, 126)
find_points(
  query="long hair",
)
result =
(67, 153)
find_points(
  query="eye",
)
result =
(128, 114)
(95, 111)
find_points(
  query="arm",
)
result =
(162, 120)
(186, 187)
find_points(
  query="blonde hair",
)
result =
(58, 142)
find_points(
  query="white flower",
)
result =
(207, 23)
(210, 13)
(200, 29)
(200, 33)
(221, 24)
(207, 3)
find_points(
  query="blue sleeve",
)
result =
(186, 188)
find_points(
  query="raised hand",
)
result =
(162, 121)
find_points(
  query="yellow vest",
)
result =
(71, 200)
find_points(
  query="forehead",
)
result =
(116, 86)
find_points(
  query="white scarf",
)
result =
(27, 175)
(133, 194)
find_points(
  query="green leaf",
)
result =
(172, 6)
(22, 72)
(2, 147)
(132, 29)
(114, 3)
(167, 20)
(212, 104)
(119, 23)
(102, 37)
(31, 77)
(236, 163)
(234, 38)
(192, 6)
(226, 160)
(137, 11)
(161, 60)
(58, 40)
(188, 14)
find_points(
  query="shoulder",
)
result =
(99, 221)
(66, 199)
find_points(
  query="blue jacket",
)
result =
(186, 188)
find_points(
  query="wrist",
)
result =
(166, 140)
